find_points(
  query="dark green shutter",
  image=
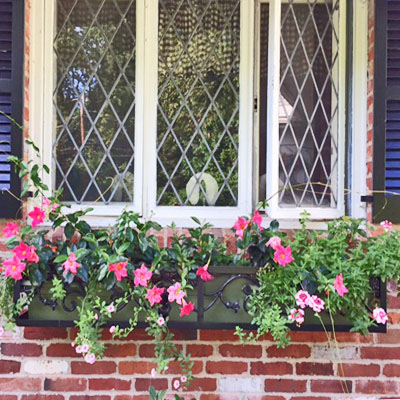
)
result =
(11, 100)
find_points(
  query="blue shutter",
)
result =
(11, 95)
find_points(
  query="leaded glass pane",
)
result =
(198, 102)
(308, 109)
(94, 99)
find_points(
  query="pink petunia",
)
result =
(302, 298)
(71, 264)
(257, 219)
(380, 315)
(37, 216)
(119, 270)
(11, 230)
(14, 268)
(339, 285)
(186, 308)
(274, 242)
(142, 276)
(283, 255)
(154, 295)
(240, 226)
(175, 293)
(203, 273)
(90, 358)
(316, 304)
(387, 225)
(160, 321)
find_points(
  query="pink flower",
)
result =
(14, 268)
(1, 331)
(380, 315)
(154, 295)
(142, 275)
(296, 315)
(240, 226)
(183, 379)
(203, 273)
(119, 270)
(175, 293)
(257, 219)
(274, 242)
(46, 204)
(339, 285)
(96, 316)
(161, 321)
(85, 348)
(112, 329)
(71, 264)
(11, 229)
(387, 225)
(153, 372)
(90, 358)
(78, 349)
(316, 304)
(302, 298)
(32, 256)
(283, 255)
(37, 216)
(186, 308)
(25, 252)
(111, 308)
(176, 384)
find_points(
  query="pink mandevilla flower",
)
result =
(25, 252)
(339, 286)
(119, 270)
(112, 329)
(142, 276)
(37, 216)
(175, 293)
(154, 295)
(257, 219)
(46, 204)
(90, 358)
(14, 268)
(240, 226)
(302, 298)
(274, 242)
(380, 315)
(283, 255)
(160, 321)
(71, 265)
(316, 304)
(203, 273)
(387, 225)
(186, 308)
(11, 230)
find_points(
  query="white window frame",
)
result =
(42, 116)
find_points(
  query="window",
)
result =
(154, 105)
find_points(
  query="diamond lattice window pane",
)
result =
(94, 100)
(198, 102)
(308, 109)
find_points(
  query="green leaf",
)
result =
(83, 273)
(61, 258)
(102, 272)
(37, 276)
(274, 225)
(83, 227)
(46, 168)
(121, 249)
(69, 231)
(196, 220)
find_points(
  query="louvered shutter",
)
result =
(11, 96)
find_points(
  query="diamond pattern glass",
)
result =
(94, 100)
(308, 109)
(198, 102)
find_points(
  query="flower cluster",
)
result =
(282, 255)
(304, 299)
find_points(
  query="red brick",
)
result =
(142, 385)
(99, 367)
(265, 397)
(392, 370)
(42, 397)
(20, 384)
(285, 385)
(226, 367)
(147, 350)
(201, 385)
(274, 368)
(36, 333)
(218, 335)
(9, 367)
(136, 367)
(310, 337)
(244, 351)
(65, 385)
(199, 350)
(394, 318)
(378, 387)
(211, 396)
(86, 397)
(138, 397)
(175, 368)
(120, 350)
(381, 353)
(109, 384)
(331, 386)
(184, 334)
(61, 350)
(292, 351)
(21, 349)
(12, 397)
(393, 302)
(392, 336)
(350, 337)
(350, 370)
(310, 368)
